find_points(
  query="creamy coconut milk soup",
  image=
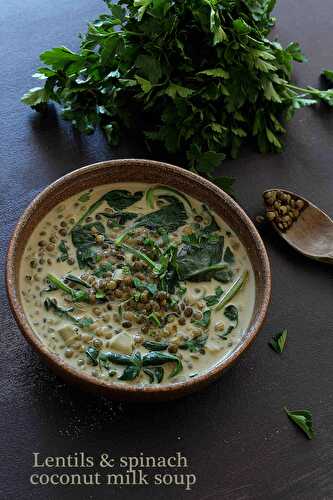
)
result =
(136, 284)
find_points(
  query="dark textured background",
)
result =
(235, 434)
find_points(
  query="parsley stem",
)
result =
(301, 89)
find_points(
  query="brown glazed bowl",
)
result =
(150, 172)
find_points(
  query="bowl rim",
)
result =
(117, 389)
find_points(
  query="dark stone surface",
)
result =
(235, 434)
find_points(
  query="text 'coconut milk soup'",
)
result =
(137, 284)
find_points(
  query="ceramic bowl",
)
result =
(150, 172)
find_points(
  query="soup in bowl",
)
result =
(138, 279)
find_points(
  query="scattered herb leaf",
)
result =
(303, 419)
(279, 340)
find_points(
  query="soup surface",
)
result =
(137, 284)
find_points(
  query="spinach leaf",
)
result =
(101, 270)
(159, 373)
(231, 312)
(160, 358)
(154, 191)
(153, 345)
(156, 372)
(119, 218)
(130, 372)
(196, 344)
(212, 300)
(212, 226)
(229, 256)
(84, 241)
(63, 249)
(83, 235)
(205, 321)
(170, 217)
(278, 342)
(132, 363)
(200, 259)
(224, 275)
(118, 359)
(51, 304)
(141, 285)
(150, 374)
(224, 335)
(303, 419)
(119, 199)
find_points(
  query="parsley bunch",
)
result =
(198, 76)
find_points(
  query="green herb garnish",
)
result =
(303, 419)
(279, 340)
(51, 304)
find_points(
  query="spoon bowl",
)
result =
(311, 233)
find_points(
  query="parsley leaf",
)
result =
(279, 340)
(203, 77)
(303, 419)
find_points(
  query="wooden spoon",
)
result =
(311, 233)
